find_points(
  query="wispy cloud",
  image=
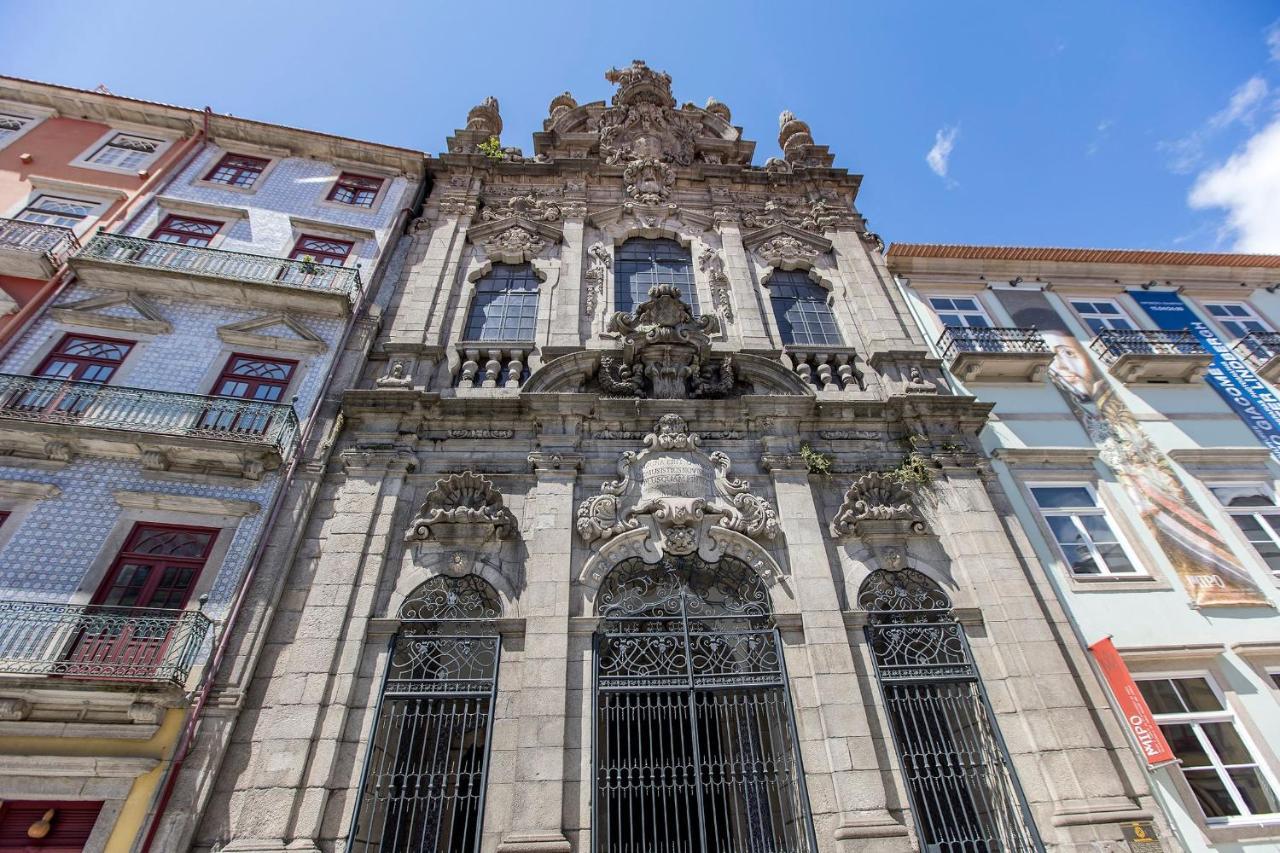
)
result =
(1100, 136)
(1247, 187)
(939, 156)
(1273, 41)
(1187, 153)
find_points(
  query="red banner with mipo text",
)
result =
(1137, 716)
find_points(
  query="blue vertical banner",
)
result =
(1229, 375)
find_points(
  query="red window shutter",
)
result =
(69, 827)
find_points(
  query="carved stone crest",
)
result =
(643, 122)
(648, 180)
(463, 509)
(526, 205)
(877, 506)
(666, 352)
(679, 493)
(513, 240)
(785, 248)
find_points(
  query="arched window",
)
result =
(641, 263)
(964, 793)
(803, 311)
(505, 307)
(695, 747)
(424, 776)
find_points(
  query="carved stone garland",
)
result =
(463, 509)
(680, 493)
(666, 352)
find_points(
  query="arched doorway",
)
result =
(964, 793)
(695, 743)
(424, 778)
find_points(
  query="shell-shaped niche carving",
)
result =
(877, 503)
(462, 509)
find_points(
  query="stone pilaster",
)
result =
(748, 325)
(836, 739)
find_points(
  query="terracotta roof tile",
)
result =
(1081, 256)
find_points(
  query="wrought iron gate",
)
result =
(964, 793)
(424, 779)
(695, 743)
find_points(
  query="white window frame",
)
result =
(1104, 571)
(55, 189)
(1273, 510)
(1085, 316)
(1226, 715)
(85, 160)
(982, 309)
(1249, 309)
(34, 115)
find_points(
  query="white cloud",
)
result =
(1243, 105)
(1100, 136)
(1273, 41)
(1187, 153)
(939, 156)
(1247, 186)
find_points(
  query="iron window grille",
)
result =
(505, 305)
(641, 263)
(238, 170)
(695, 742)
(425, 774)
(965, 795)
(802, 308)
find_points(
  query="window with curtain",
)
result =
(641, 263)
(800, 305)
(505, 306)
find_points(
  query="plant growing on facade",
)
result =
(817, 462)
(913, 471)
(492, 148)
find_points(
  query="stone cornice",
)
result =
(185, 503)
(1046, 457)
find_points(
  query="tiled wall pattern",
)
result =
(295, 186)
(48, 555)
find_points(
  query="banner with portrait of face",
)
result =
(1211, 573)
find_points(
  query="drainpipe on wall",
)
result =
(26, 316)
(187, 737)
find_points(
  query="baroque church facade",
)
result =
(650, 524)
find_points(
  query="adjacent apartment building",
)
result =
(1135, 431)
(200, 275)
(654, 526)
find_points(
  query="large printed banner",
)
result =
(1137, 716)
(1229, 375)
(1211, 573)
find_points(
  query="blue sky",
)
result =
(1110, 124)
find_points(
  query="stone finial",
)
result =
(485, 118)
(719, 110)
(794, 137)
(638, 82)
(562, 104)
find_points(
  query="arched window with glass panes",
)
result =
(641, 263)
(505, 305)
(802, 308)
(424, 778)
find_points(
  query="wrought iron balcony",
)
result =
(33, 250)
(1141, 355)
(994, 354)
(117, 261)
(1261, 350)
(97, 642)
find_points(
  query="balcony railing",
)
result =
(1258, 348)
(493, 365)
(52, 241)
(959, 339)
(97, 642)
(60, 401)
(826, 368)
(1111, 344)
(216, 263)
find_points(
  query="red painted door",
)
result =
(49, 826)
(128, 625)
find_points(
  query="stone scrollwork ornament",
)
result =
(462, 509)
(598, 263)
(711, 263)
(514, 245)
(680, 493)
(785, 248)
(876, 506)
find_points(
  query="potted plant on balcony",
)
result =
(308, 265)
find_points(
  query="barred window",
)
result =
(505, 307)
(801, 307)
(641, 263)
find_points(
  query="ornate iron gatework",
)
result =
(695, 741)
(424, 779)
(964, 793)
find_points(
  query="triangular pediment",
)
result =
(273, 331)
(753, 240)
(128, 312)
(653, 217)
(481, 233)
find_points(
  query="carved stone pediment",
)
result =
(463, 509)
(514, 240)
(679, 493)
(785, 245)
(815, 214)
(666, 352)
(877, 506)
(527, 203)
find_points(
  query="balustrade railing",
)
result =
(493, 365)
(93, 641)
(61, 401)
(52, 241)
(961, 339)
(1258, 348)
(827, 368)
(1110, 344)
(217, 263)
